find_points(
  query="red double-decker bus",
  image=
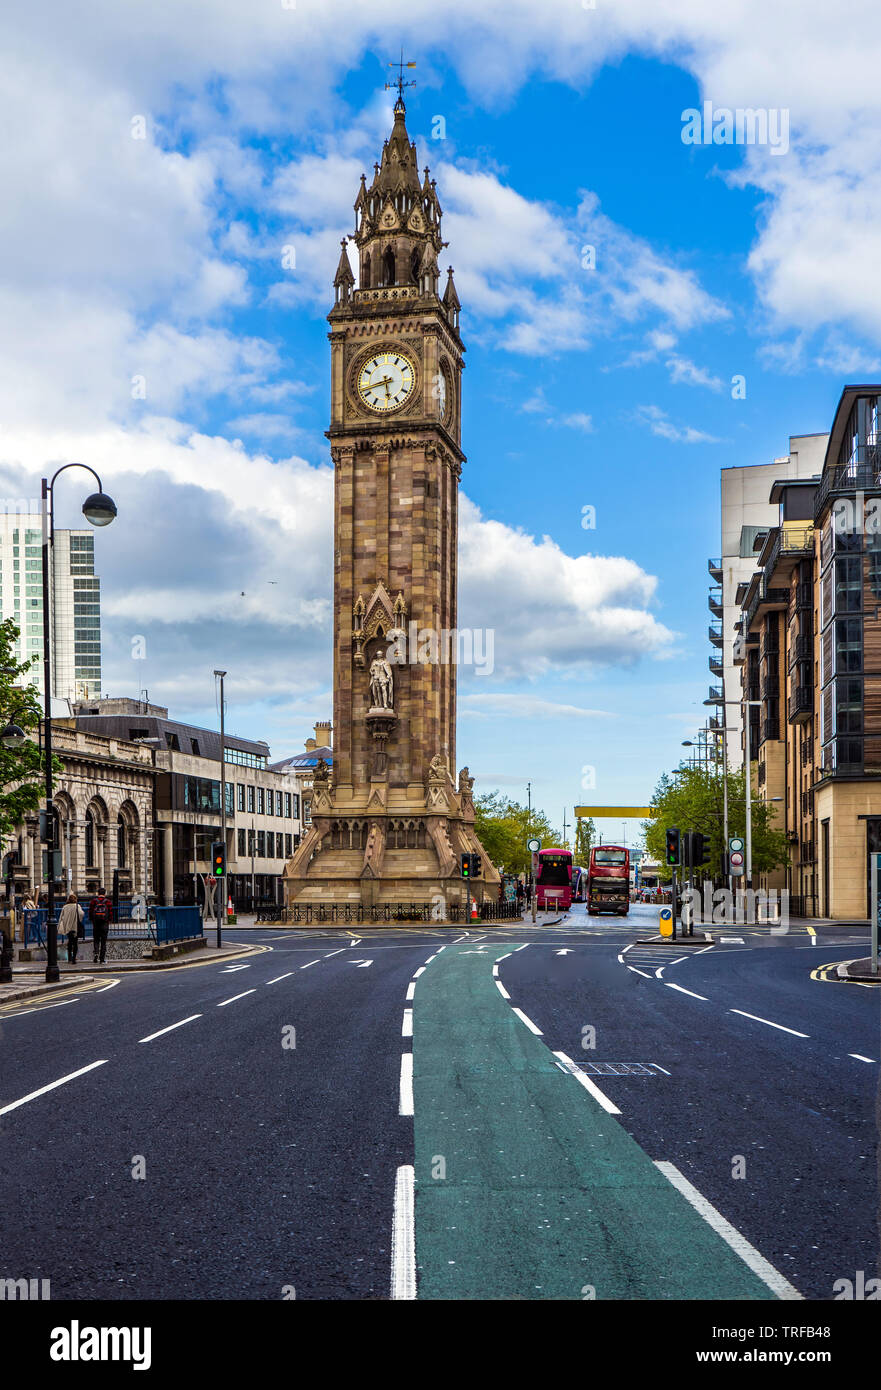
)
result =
(554, 881)
(608, 880)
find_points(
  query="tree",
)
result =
(503, 826)
(585, 838)
(21, 769)
(694, 800)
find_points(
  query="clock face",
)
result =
(386, 380)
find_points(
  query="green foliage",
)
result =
(21, 769)
(503, 827)
(694, 800)
(585, 838)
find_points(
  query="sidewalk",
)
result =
(28, 977)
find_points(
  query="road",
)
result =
(579, 1116)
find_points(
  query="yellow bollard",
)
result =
(665, 921)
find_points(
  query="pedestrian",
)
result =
(28, 905)
(100, 912)
(70, 922)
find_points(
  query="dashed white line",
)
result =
(403, 1281)
(748, 1253)
(860, 1057)
(670, 985)
(407, 1025)
(280, 977)
(308, 963)
(71, 1076)
(235, 997)
(794, 1031)
(529, 1023)
(567, 1064)
(411, 990)
(417, 973)
(170, 1029)
(335, 953)
(502, 991)
(405, 1103)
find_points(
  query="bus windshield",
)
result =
(554, 871)
(609, 856)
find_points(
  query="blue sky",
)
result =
(158, 260)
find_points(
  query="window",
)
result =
(261, 844)
(201, 794)
(195, 745)
(90, 840)
(251, 800)
(848, 645)
(296, 806)
(244, 759)
(261, 802)
(173, 742)
(240, 796)
(120, 842)
(229, 798)
(288, 846)
(278, 803)
(241, 843)
(849, 707)
(287, 805)
(848, 584)
(270, 804)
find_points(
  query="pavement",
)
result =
(575, 1115)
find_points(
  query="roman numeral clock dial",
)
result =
(385, 381)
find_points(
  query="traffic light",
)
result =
(475, 866)
(466, 865)
(735, 856)
(218, 859)
(671, 856)
(699, 849)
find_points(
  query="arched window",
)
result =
(414, 267)
(120, 842)
(366, 277)
(90, 839)
(388, 267)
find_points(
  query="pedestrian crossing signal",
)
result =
(218, 859)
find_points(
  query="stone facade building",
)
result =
(391, 822)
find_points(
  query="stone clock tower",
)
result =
(390, 821)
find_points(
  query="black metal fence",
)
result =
(356, 914)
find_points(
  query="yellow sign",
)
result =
(616, 812)
(666, 921)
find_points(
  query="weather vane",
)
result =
(399, 81)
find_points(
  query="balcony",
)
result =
(801, 649)
(801, 703)
(714, 722)
(717, 695)
(739, 653)
(863, 473)
(715, 568)
(716, 667)
(793, 543)
(715, 634)
(714, 599)
(770, 729)
(766, 600)
(802, 597)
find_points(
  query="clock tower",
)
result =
(389, 821)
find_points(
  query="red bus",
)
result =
(579, 883)
(554, 881)
(608, 880)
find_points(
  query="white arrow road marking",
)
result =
(52, 1085)
(361, 964)
(228, 969)
(565, 952)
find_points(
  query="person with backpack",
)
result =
(100, 912)
(69, 922)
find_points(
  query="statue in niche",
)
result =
(381, 683)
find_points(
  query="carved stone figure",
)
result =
(381, 683)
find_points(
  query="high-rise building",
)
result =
(74, 599)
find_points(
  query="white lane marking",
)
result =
(639, 972)
(280, 977)
(502, 991)
(41, 1008)
(529, 1023)
(336, 953)
(411, 990)
(731, 941)
(567, 1064)
(71, 1076)
(495, 972)
(170, 1029)
(311, 962)
(860, 1057)
(404, 1235)
(670, 985)
(621, 960)
(660, 1068)
(430, 959)
(680, 959)
(229, 969)
(439, 949)
(104, 988)
(739, 1244)
(659, 972)
(505, 956)
(521, 948)
(405, 1103)
(702, 949)
(407, 1026)
(461, 938)
(420, 971)
(21, 1013)
(224, 1003)
(794, 1031)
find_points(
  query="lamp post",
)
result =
(744, 704)
(221, 887)
(99, 510)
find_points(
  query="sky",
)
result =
(639, 312)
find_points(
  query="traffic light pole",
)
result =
(221, 885)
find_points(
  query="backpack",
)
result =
(100, 912)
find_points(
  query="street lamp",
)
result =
(742, 704)
(99, 510)
(13, 737)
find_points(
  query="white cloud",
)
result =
(525, 707)
(659, 422)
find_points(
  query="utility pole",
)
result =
(221, 886)
(565, 842)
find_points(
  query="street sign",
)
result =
(665, 917)
(533, 845)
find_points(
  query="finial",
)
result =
(399, 80)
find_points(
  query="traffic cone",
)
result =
(474, 912)
(229, 907)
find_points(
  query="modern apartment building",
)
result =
(262, 809)
(811, 652)
(74, 599)
(746, 511)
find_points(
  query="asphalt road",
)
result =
(249, 1127)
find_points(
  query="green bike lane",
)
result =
(526, 1188)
